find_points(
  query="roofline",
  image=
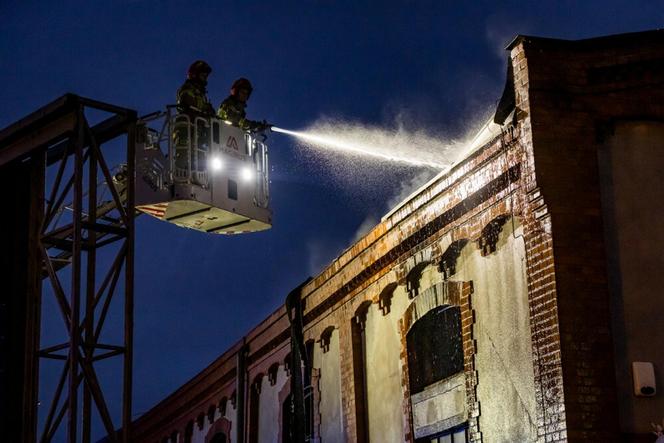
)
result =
(626, 37)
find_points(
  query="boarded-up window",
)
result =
(435, 349)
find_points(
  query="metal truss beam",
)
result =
(70, 261)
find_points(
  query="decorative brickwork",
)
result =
(287, 364)
(385, 299)
(489, 238)
(223, 404)
(360, 317)
(413, 279)
(211, 412)
(447, 261)
(325, 338)
(272, 373)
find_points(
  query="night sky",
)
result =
(426, 65)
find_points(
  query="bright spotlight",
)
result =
(247, 174)
(216, 164)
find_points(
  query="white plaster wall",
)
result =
(231, 415)
(506, 387)
(269, 418)
(331, 428)
(383, 370)
(430, 276)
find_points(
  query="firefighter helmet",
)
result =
(198, 67)
(241, 83)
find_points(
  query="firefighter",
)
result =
(192, 101)
(233, 108)
(192, 95)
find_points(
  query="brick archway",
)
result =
(223, 426)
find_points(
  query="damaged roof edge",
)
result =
(487, 133)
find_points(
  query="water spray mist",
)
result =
(321, 140)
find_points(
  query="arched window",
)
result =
(189, 432)
(309, 394)
(435, 349)
(359, 342)
(287, 419)
(254, 407)
(219, 437)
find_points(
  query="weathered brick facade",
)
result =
(540, 176)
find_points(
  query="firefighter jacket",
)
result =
(232, 110)
(193, 94)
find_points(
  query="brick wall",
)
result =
(572, 92)
(543, 171)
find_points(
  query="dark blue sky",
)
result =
(428, 64)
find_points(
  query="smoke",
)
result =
(321, 251)
(364, 228)
(407, 187)
(502, 28)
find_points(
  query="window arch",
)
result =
(219, 432)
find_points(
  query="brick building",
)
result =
(505, 301)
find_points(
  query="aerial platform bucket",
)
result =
(214, 179)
